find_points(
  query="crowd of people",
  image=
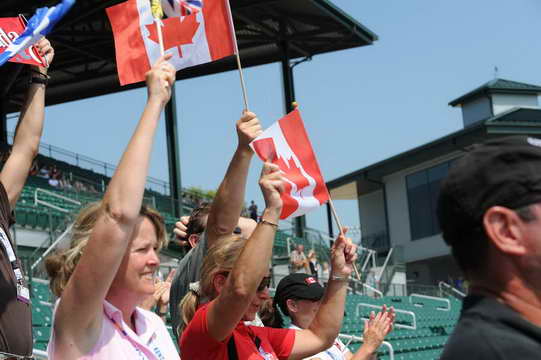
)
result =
(218, 297)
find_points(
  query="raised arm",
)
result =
(227, 204)
(252, 265)
(326, 325)
(28, 131)
(78, 317)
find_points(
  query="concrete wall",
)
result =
(399, 222)
(504, 102)
(32, 238)
(372, 213)
(476, 110)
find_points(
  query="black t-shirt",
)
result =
(488, 329)
(15, 315)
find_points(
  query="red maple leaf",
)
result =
(266, 149)
(176, 32)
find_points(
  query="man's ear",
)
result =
(505, 230)
(193, 239)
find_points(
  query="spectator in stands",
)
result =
(221, 219)
(15, 312)
(109, 268)
(324, 273)
(159, 301)
(253, 210)
(34, 170)
(313, 263)
(489, 210)
(44, 172)
(234, 284)
(298, 263)
(299, 297)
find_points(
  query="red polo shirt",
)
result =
(197, 344)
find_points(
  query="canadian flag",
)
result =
(286, 144)
(198, 38)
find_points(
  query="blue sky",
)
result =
(360, 105)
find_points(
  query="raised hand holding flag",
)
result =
(286, 144)
(38, 26)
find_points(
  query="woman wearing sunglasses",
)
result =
(234, 285)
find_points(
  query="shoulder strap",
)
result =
(232, 349)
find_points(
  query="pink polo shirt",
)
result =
(151, 342)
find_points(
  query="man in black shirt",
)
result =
(490, 214)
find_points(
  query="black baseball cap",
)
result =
(500, 172)
(297, 286)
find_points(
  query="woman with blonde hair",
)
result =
(234, 284)
(109, 268)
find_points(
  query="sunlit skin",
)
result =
(303, 311)
(257, 301)
(135, 277)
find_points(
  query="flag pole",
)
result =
(157, 14)
(160, 35)
(237, 55)
(337, 220)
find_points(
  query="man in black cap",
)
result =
(490, 214)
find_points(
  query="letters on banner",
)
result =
(10, 29)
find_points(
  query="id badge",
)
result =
(23, 294)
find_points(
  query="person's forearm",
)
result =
(229, 200)
(365, 352)
(124, 194)
(254, 260)
(328, 320)
(30, 125)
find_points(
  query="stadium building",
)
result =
(397, 197)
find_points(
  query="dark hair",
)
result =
(469, 242)
(198, 219)
(270, 315)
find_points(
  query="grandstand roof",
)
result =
(498, 86)
(85, 58)
(518, 120)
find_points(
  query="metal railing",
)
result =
(88, 163)
(37, 201)
(398, 311)
(454, 291)
(351, 338)
(434, 298)
(52, 247)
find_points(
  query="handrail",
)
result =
(352, 338)
(453, 289)
(39, 353)
(371, 288)
(431, 298)
(52, 193)
(414, 322)
(378, 278)
(52, 247)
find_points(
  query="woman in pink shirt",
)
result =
(109, 268)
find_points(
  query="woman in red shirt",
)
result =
(234, 284)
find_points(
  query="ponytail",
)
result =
(188, 306)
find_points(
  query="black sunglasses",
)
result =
(265, 282)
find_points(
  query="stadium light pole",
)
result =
(173, 156)
(289, 98)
